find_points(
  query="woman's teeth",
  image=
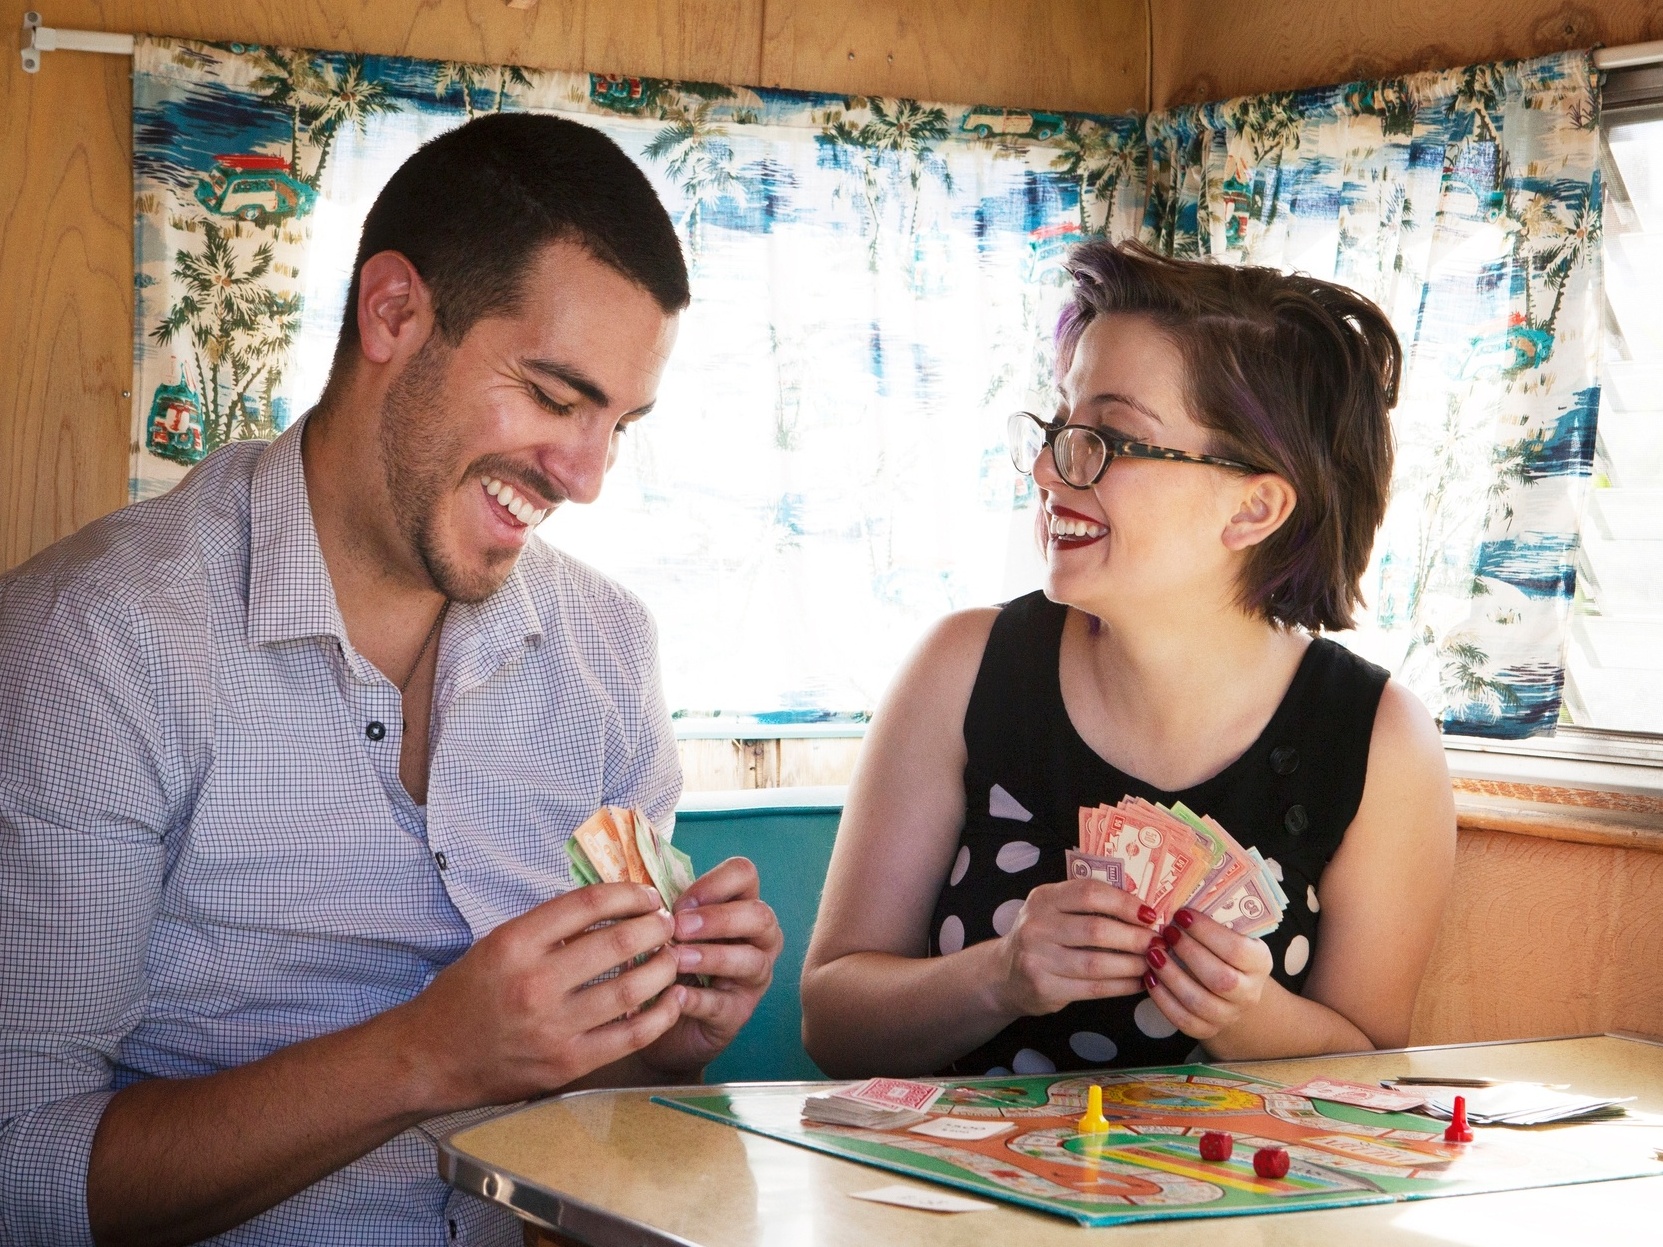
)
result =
(515, 505)
(1057, 526)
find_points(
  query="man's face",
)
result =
(527, 409)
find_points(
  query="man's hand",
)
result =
(519, 1014)
(730, 936)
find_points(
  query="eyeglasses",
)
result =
(1082, 454)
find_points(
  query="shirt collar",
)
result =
(290, 593)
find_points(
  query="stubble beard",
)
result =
(420, 449)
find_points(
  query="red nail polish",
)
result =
(1147, 915)
(1185, 918)
(1149, 980)
(1170, 935)
(1156, 957)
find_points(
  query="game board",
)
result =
(1149, 1168)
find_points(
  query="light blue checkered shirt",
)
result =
(205, 855)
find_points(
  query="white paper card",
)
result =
(960, 1128)
(920, 1197)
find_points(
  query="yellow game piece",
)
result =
(1094, 1122)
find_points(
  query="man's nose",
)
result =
(584, 465)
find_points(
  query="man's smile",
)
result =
(513, 503)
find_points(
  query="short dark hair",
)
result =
(470, 207)
(1286, 371)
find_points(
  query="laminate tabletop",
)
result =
(611, 1168)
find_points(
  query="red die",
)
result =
(1216, 1146)
(1271, 1162)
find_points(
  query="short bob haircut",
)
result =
(1288, 372)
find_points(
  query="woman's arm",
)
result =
(1382, 896)
(872, 998)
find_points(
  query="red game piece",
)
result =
(1216, 1146)
(1459, 1131)
(1271, 1162)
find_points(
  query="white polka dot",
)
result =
(1017, 855)
(1311, 902)
(998, 1071)
(1275, 868)
(1028, 1061)
(1299, 952)
(951, 938)
(1151, 1021)
(961, 863)
(1090, 1046)
(1004, 918)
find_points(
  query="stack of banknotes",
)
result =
(876, 1104)
(1175, 859)
(622, 846)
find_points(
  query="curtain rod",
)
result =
(38, 38)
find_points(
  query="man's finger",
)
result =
(750, 920)
(565, 916)
(735, 879)
(744, 964)
(599, 1003)
(614, 1040)
(595, 952)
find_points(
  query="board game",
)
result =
(1148, 1166)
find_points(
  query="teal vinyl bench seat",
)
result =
(788, 833)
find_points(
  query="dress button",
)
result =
(375, 729)
(1296, 820)
(440, 858)
(1284, 759)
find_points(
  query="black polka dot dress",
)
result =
(1292, 795)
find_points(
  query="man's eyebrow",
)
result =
(1129, 401)
(573, 377)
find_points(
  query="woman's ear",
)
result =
(1263, 506)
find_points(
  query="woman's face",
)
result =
(1147, 538)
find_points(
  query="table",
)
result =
(610, 1168)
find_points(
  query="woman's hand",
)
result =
(1203, 976)
(1079, 940)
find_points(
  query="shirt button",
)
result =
(1284, 759)
(440, 858)
(375, 729)
(453, 1227)
(1296, 820)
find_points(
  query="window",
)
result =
(1614, 663)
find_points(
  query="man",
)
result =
(288, 756)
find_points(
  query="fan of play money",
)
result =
(622, 846)
(1174, 859)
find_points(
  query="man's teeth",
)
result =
(1060, 527)
(515, 505)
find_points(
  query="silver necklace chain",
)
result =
(422, 652)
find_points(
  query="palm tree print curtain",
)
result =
(1467, 204)
(875, 281)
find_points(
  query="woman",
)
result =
(1210, 486)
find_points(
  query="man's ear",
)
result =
(395, 308)
(1263, 506)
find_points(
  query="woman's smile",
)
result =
(1069, 530)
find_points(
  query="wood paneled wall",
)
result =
(1205, 51)
(66, 153)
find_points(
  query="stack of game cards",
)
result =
(1174, 859)
(622, 846)
(876, 1104)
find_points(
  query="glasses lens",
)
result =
(1080, 455)
(1026, 439)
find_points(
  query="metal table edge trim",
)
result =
(609, 1229)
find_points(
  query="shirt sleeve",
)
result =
(83, 800)
(651, 779)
